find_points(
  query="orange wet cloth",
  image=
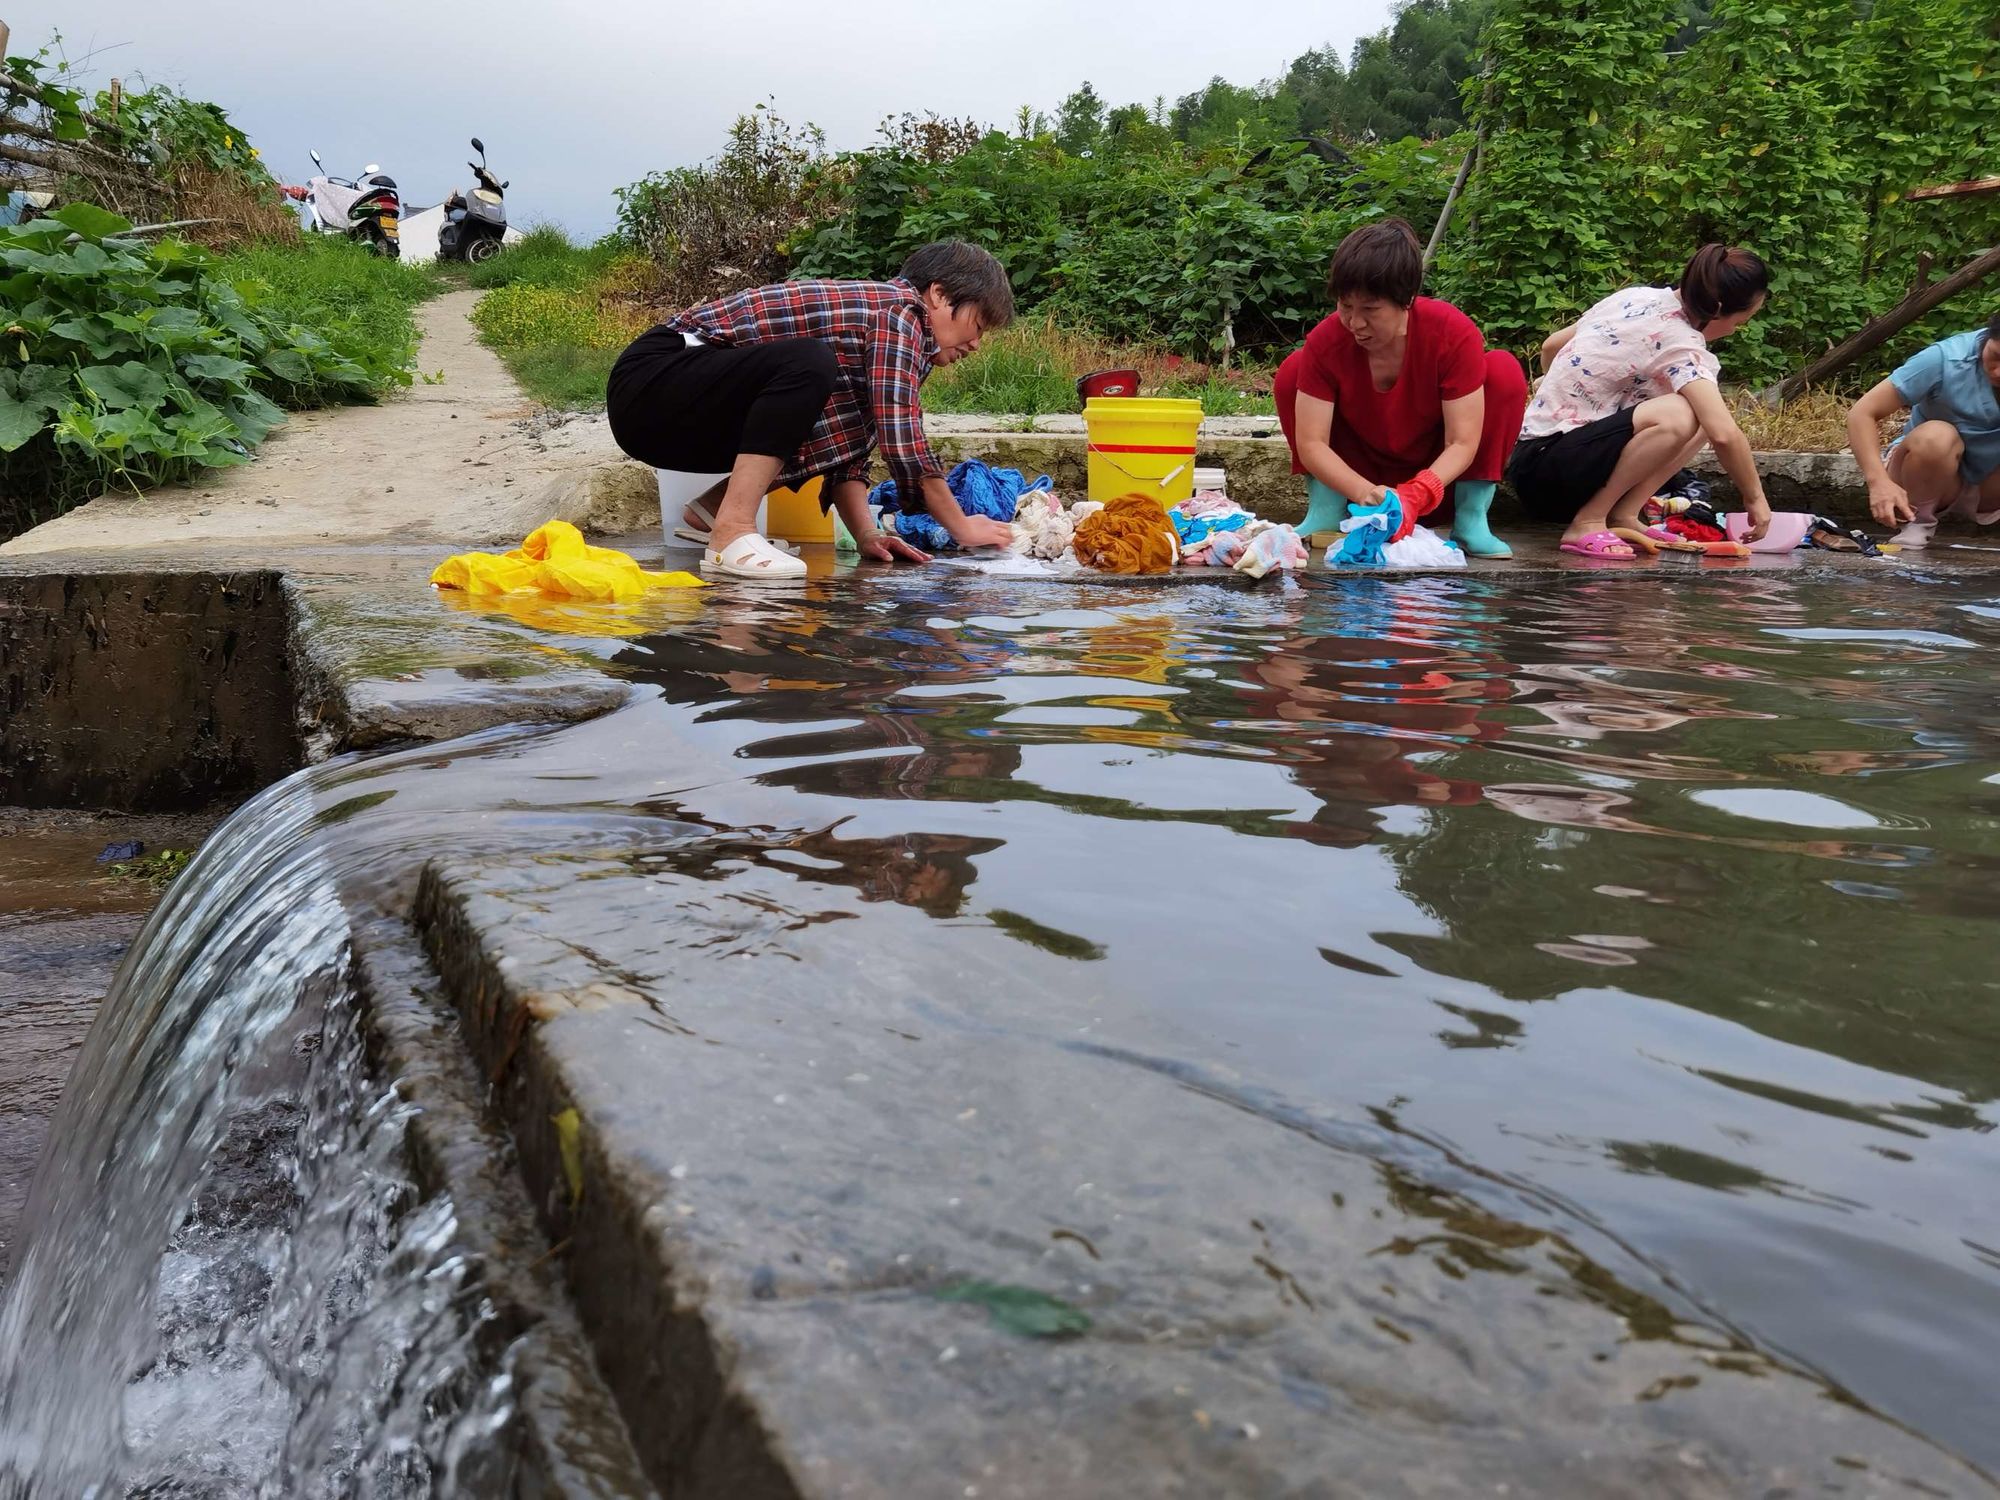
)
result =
(1130, 535)
(556, 560)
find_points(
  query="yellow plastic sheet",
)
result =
(556, 561)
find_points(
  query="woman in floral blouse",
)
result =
(1631, 395)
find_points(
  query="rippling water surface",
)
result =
(1673, 904)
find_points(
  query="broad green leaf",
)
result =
(119, 387)
(90, 221)
(288, 365)
(18, 423)
(216, 367)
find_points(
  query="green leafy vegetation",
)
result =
(1612, 141)
(1610, 156)
(157, 869)
(153, 154)
(559, 313)
(136, 363)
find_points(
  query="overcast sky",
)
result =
(576, 99)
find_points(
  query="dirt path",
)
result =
(465, 460)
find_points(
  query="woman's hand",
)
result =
(1889, 502)
(889, 549)
(1759, 513)
(980, 531)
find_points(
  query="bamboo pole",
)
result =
(117, 98)
(1878, 331)
(1451, 198)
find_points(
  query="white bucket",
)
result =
(677, 487)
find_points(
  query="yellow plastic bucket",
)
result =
(795, 516)
(1141, 445)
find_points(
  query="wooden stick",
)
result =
(63, 159)
(1878, 331)
(1957, 189)
(117, 97)
(3, 39)
(1451, 198)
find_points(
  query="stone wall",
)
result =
(164, 692)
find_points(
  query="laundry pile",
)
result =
(979, 488)
(1133, 535)
(1387, 536)
(1694, 525)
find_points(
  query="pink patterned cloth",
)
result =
(1633, 346)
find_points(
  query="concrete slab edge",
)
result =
(696, 1434)
(568, 1439)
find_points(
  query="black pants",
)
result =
(1555, 474)
(697, 408)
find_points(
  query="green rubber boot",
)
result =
(1326, 508)
(1469, 498)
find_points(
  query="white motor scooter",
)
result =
(368, 208)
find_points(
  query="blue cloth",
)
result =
(1198, 529)
(1362, 547)
(1945, 383)
(981, 490)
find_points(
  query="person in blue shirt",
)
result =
(1947, 459)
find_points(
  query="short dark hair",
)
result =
(1720, 280)
(1382, 260)
(964, 273)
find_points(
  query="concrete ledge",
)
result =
(764, 1189)
(165, 692)
(567, 1433)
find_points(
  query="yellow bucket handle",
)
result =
(1168, 478)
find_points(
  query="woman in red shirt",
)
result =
(1397, 391)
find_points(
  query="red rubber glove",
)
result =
(1419, 495)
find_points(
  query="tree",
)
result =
(1080, 121)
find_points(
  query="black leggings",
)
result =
(696, 408)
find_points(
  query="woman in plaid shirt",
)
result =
(782, 384)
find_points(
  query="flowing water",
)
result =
(1671, 905)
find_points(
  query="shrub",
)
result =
(142, 363)
(730, 224)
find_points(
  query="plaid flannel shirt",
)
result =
(880, 335)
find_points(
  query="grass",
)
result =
(558, 314)
(362, 304)
(1031, 368)
(1813, 422)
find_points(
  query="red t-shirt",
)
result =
(1385, 436)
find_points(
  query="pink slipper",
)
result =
(1601, 544)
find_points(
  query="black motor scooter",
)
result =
(475, 223)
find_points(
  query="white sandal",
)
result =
(752, 556)
(699, 534)
(697, 521)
